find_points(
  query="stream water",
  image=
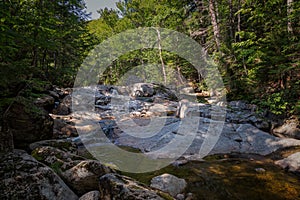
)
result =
(233, 178)
(252, 176)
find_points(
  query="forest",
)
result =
(254, 43)
(59, 140)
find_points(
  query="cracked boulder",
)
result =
(114, 186)
(62, 144)
(291, 163)
(64, 107)
(63, 128)
(84, 176)
(28, 123)
(23, 177)
(230, 138)
(169, 183)
(92, 195)
(290, 128)
(242, 138)
(79, 174)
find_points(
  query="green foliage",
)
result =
(36, 155)
(296, 108)
(56, 166)
(275, 103)
(260, 61)
(43, 36)
(41, 43)
(258, 57)
(137, 13)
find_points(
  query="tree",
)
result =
(256, 50)
(214, 21)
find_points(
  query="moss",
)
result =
(214, 157)
(130, 149)
(62, 145)
(59, 155)
(283, 153)
(36, 155)
(28, 107)
(86, 154)
(56, 166)
(112, 166)
(202, 99)
(165, 195)
(159, 88)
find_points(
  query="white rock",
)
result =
(260, 170)
(169, 183)
(92, 195)
(292, 162)
(180, 196)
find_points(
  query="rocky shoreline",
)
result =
(54, 162)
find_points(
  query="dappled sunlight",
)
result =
(233, 179)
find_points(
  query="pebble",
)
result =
(260, 170)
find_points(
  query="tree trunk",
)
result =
(160, 56)
(55, 55)
(214, 22)
(179, 74)
(231, 20)
(34, 57)
(239, 21)
(289, 12)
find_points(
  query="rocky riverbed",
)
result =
(251, 155)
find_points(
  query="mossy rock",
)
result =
(28, 123)
(161, 89)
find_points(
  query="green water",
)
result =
(232, 178)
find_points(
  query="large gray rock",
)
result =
(292, 162)
(23, 177)
(46, 102)
(242, 105)
(143, 90)
(28, 123)
(113, 186)
(84, 177)
(169, 183)
(64, 128)
(242, 114)
(54, 94)
(102, 99)
(152, 90)
(135, 105)
(79, 174)
(164, 92)
(290, 128)
(62, 92)
(55, 158)
(164, 134)
(244, 138)
(62, 144)
(234, 138)
(92, 195)
(65, 106)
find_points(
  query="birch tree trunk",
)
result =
(231, 20)
(160, 56)
(289, 12)
(214, 22)
(239, 21)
